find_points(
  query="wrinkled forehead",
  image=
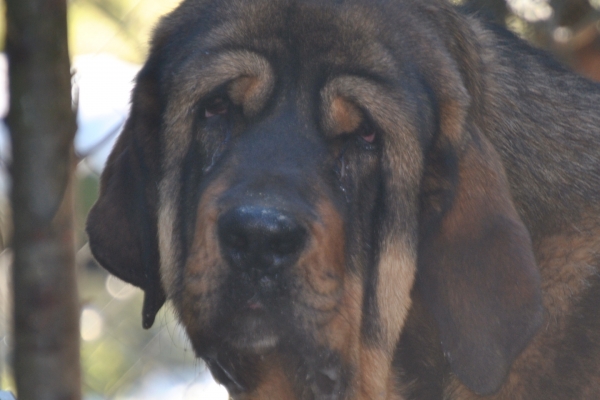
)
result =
(303, 37)
(310, 56)
(299, 46)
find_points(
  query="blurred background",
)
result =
(108, 42)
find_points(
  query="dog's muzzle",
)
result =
(260, 241)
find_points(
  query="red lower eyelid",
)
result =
(217, 106)
(370, 138)
(211, 112)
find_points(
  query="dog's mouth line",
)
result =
(255, 304)
(260, 345)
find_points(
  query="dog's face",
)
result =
(286, 170)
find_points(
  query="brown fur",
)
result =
(395, 201)
(204, 268)
(276, 384)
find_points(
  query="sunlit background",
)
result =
(108, 42)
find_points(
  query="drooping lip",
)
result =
(258, 345)
(253, 331)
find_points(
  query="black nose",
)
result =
(260, 239)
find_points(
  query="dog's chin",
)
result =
(252, 333)
(255, 345)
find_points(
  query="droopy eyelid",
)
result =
(195, 82)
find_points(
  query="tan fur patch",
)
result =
(250, 92)
(325, 262)
(344, 116)
(166, 240)
(204, 267)
(578, 250)
(322, 266)
(397, 270)
(396, 278)
(340, 98)
(342, 333)
(375, 375)
(274, 382)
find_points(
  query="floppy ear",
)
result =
(476, 268)
(122, 225)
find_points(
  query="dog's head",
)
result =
(290, 169)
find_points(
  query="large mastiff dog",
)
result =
(357, 199)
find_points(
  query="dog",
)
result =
(353, 199)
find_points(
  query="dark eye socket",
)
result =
(217, 105)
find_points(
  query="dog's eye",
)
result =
(218, 105)
(367, 133)
(368, 136)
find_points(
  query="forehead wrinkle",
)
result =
(344, 34)
(371, 59)
(203, 73)
(370, 96)
(277, 27)
(257, 25)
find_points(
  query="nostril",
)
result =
(235, 240)
(287, 242)
(260, 238)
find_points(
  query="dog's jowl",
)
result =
(360, 200)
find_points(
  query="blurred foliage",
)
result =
(86, 195)
(568, 28)
(119, 354)
(539, 19)
(2, 25)
(121, 27)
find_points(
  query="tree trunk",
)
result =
(42, 126)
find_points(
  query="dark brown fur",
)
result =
(438, 182)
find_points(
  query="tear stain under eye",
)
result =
(340, 171)
(219, 151)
